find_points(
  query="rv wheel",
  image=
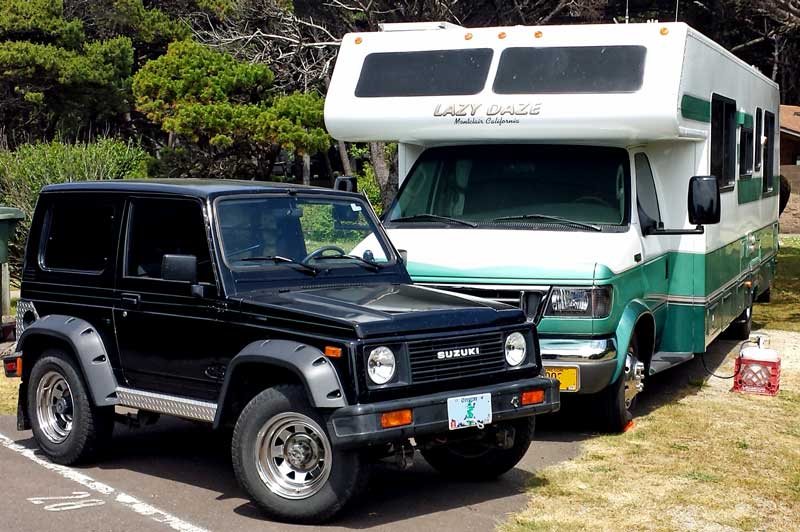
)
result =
(614, 404)
(742, 325)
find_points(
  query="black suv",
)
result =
(283, 312)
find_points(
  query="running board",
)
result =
(663, 360)
(171, 405)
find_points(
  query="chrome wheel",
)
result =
(293, 456)
(54, 406)
(634, 377)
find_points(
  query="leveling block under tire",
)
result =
(246, 306)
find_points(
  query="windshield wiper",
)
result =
(373, 266)
(284, 260)
(435, 217)
(557, 219)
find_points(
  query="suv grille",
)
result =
(426, 367)
(531, 299)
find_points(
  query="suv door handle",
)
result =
(131, 300)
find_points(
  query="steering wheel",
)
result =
(319, 251)
(593, 199)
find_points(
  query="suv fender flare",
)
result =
(85, 342)
(310, 365)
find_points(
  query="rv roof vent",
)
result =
(418, 26)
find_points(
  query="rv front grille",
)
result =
(531, 299)
(456, 357)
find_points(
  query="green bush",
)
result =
(368, 184)
(24, 171)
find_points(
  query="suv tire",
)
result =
(481, 461)
(313, 480)
(66, 425)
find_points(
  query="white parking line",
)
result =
(132, 503)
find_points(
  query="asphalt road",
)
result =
(177, 475)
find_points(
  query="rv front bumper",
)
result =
(594, 361)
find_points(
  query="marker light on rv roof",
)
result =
(501, 35)
(359, 40)
(538, 34)
(665, 31)
(468, 36)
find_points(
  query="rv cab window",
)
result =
(517, 186)
(646, 195)
(723, 141)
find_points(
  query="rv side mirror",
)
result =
(179, 268)
(346, 183)
(704, 201)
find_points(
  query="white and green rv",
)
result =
(565, 169)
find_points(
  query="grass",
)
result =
(711, 461)
(8, 395)
(783, 312)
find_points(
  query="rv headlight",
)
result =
(568, 301)
(381, 365)
(516, 348)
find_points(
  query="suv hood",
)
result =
(384, 309)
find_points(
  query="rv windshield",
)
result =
(569, 187)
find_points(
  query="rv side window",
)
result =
(746, 149)
(723, 141)
(427, 73)
(646, 196)
(570, 69)
(758, 134)
(769, 151)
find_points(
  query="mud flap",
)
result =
(23, 423)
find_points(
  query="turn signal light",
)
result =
(396, 418)
(333, 352)
(13, 367)
(532, 397)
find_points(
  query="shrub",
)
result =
(24, 171)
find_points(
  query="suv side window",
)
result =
(78, 235)
(646, 196)
(159, 227)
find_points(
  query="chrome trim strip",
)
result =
(563, 349)
(167, 404)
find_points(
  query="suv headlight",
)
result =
(568, 301)
(381, 365)
(516, 349)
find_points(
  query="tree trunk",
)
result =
(306, 169)
(387, 178)
(346, 167)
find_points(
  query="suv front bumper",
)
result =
(360, 425)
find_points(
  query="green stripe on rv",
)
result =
(745, 120)
(749, 189)
(694, 108)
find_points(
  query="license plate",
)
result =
(567, 377)
(469, 411)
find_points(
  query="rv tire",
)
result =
(612, 406)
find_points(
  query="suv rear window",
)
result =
(79, 235)
(428, 73)
(570, 70)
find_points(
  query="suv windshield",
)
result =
(573, 187)
(299, 234)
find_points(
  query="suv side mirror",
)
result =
(179, 268)
(346, 183)
(704, 201)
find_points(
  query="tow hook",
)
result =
(404, 457)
